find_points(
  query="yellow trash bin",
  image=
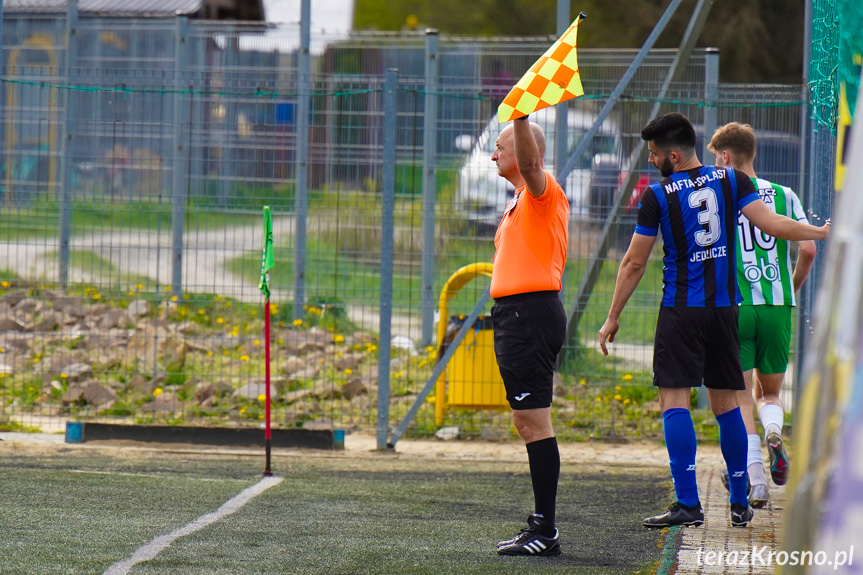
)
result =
(472, 379)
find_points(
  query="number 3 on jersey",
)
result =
(705, 200)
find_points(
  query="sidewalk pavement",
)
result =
(763, 534)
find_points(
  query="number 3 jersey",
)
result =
(697, 211)
(764, 272)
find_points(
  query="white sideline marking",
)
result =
(155, 546)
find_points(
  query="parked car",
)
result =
(482, 194)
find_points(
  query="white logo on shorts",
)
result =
(522, 396)
(691, 467)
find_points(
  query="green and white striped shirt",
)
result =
(764, 273)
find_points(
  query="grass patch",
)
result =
(380, 515)
(109, 275)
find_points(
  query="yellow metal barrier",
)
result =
(471, 380)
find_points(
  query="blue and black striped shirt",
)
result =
(697, 211)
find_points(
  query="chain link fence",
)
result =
(135, 165)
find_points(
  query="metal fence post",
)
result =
(430, 133)
(387, 225)
(180, 171)
(66, 146)
(226, 166)
(805, 299)
(561, 117)
(300, 198)
(711, 98)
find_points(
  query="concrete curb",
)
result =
(79, 432)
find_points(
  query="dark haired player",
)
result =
(696, 208)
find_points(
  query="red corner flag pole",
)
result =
(267, 262)
(267, 430)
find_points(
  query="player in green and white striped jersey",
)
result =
(764, 273)
(767, 284)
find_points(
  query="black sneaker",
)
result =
(677, 514)
(778, 458)
(723, 476)
(741, 515)
(530, 540)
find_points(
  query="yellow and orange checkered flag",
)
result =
(553, 79)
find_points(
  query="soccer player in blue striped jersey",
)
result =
(696, 209)
(767, 284)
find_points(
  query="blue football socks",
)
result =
(734, 445)
(680, 441)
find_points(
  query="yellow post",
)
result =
(450, 289)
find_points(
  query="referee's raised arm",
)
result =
(529, 142)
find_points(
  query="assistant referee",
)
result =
(528, 317)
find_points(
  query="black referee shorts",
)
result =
(528, 334)
(695, 344)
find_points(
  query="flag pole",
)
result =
(267, 262)
(267, 429)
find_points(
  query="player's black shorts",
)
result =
(528, 334)
(694, 344)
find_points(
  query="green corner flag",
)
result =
(267, 260)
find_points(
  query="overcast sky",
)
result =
(328, 15)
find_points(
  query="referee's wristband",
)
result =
(522, 117)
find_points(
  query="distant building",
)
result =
(248, 10)
(118, 139)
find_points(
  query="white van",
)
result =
(482, 194)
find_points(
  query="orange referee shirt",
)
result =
(530, 242)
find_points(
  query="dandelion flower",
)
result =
(298, 322)
(348, 371)
(618, 397)
(157, 392)
(627, 377)
(244, 357)
(262, 398)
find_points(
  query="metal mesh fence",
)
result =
(134, 170)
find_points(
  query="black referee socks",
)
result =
(544, 459)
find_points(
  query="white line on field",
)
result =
(155, 546)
